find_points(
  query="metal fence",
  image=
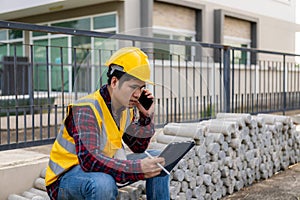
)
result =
(194, 81)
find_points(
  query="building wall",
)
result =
(273, 23)
(173, 16)
(278, 9)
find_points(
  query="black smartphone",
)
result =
(145, 101)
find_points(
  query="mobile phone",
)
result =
(145, 101)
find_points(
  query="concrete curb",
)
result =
(18, 170)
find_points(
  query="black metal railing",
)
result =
(207, 79)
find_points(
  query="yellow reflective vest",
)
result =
(63, 153)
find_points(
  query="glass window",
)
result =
(15, 34)
(56, 43)
(82, 43)
(56, 61)
(240, 57)
(103, 49)
(183, 51)
(3, 51)
(39, 49)
(244, 54)
(18, 47)
(107, 21)
(3, 35)
(161, 50)
(82, 24)
(36, 34)
(83, 56)
(40, 67)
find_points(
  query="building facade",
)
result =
(261, 24)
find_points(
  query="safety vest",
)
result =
(63, 153)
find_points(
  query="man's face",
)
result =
(128, 93)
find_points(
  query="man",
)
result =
(88, 160)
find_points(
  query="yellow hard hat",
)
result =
(134, 62)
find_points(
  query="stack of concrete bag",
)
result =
(232, 151)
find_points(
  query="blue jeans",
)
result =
(77, 184)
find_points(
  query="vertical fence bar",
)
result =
(1, 132)
(8, 126)
(75, 73)
(175, 109)
(226, 77)
(100, 68)
(197, 107)
(204, 107)
(153, 72)
(25, 126)
(186, 81)
(245, 85)
(62, 80)
(31, 90)
(232, 81)
(182, 107)
(194, 91)
(298, 86)
(48, 74)
(179, 90)
(55, 121)
(158, 113)
(239, 86)
(284, 89)
(15, 75)
(16, 92)
(163, 89)
(167, 110)
(294, 86)
(200, 86)
(220, 82)
(41, 121)
(49, 88)
(208, 68)
(171, 84)
(191, 109)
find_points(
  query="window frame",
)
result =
(173, 32)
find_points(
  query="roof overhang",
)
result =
(12, 9)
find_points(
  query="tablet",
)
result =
(173, 153)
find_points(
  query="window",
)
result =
(82, 24)
(36, 34)
(106, 21)
(3, 35)
(86, 51)
(163, 51)
(57, 60)
(240, 57)
(15, 34)
(11, 43)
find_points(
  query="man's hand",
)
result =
(150, 167)
(150, 111)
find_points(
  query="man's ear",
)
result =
(114, 82)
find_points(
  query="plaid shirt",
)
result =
(81, 126)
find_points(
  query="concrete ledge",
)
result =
(18, 170)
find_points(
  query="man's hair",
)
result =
(115, 70)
